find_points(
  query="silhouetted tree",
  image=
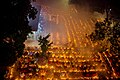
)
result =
(14, 30)
(109, 30)
(44, 43)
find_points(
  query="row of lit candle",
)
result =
(77, 71)
(70, 56)
(66, 61)
(65, 78)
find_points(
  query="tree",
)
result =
(108, 33)
(44, 43)
(108, 30)
(14, 20)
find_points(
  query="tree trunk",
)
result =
(42, 60)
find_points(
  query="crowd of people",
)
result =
(63, 63)
(27, 65)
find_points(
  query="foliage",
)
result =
(109, 30)
(14, 20)
(109, 38)
(44, 43)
